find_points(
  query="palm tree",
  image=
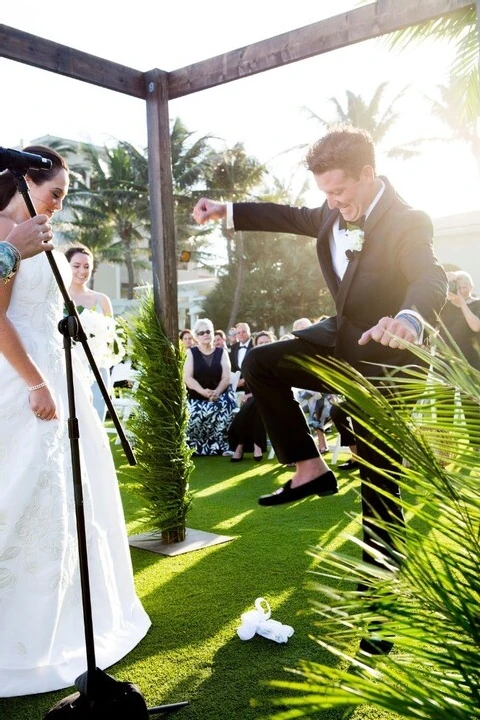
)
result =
(190, 158)
(369, 116)
(234, 175)
(463, 126)
(113, 199)
(461, 29)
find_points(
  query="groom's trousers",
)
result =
(271, 372)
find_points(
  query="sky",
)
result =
(265, 112)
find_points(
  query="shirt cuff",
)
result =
(416, 321)
(229, 220)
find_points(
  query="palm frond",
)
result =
(426, 597)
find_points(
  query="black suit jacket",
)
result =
(396, 269)
(234, 355)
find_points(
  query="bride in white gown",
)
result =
(42, 641)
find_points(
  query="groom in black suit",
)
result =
(376, 255)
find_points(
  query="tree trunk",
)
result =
(240, 279)
(174, 535)
(130, 271)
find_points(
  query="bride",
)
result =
(42, 645)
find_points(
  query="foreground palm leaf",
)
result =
(427, 599)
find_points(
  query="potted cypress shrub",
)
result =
(158, 425)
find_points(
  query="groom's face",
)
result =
(350, 195)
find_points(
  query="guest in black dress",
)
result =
(211, 401)
(247, 431)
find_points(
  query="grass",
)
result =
(195, 600)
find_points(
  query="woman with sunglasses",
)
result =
(211, 401)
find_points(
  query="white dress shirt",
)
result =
(242, 351)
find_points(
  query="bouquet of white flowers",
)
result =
(104, 337)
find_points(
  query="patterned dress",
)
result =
(209, 422)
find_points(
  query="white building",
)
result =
(457, 243)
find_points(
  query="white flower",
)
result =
(103, 337)
(355, 238)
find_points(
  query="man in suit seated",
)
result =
(376, 255)
(239, 350)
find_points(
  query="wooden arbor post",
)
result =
(164, 259)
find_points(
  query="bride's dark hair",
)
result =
(8, 186)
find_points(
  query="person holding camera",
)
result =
(459, 327)
(460, 316)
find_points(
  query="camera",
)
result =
(453, 286)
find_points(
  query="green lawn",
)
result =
(195, 600)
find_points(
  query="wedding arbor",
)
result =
(158, 87)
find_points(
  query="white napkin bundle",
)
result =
(258, 622)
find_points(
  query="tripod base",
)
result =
(167, 709)
(100, 696)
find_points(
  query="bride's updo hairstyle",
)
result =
(8, 187)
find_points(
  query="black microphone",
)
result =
(17, 160)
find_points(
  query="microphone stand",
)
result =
(94, 681)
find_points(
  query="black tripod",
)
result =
(99, 695)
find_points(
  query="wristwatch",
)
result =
(9, 261)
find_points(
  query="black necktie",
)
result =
(345, 225)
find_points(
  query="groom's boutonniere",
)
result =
(355, 237)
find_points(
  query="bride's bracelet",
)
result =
(37, 387)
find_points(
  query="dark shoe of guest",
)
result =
(322, 485)
(349, 465)
(236, 459)
(257, 458)
(374, 646)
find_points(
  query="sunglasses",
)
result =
(204, 332)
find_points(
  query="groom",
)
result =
(376, 255)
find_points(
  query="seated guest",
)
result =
(220, 339)
(301, 323)
(343, 424)
(238, 351)
(317, 405)
(187, 338)
(247, 431)
(211, 401)
(232, 337)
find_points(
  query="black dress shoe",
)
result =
(257, 458)
(234, 459)
(325, 484)
(374, 646)
(349, 465)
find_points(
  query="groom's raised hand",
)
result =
(206, 210)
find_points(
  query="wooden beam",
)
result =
(63, 60)
(358, 25)
(164, 255)
(363, 23)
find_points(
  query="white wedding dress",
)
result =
(42, 642)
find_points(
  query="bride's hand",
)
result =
(43, 404)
